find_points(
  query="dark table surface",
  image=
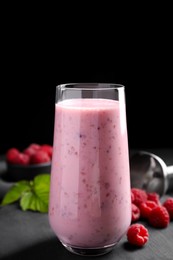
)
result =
(27, 235)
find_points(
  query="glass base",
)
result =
(89, 251)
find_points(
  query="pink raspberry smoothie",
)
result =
(90, 200)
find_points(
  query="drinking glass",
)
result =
(90, 199)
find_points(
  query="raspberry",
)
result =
(137, 235)
(159, 217)
(47, 148)
(132, 197)
(29, 151)
(34, 146)
(135, 213)
(11, 155)
(168, 204)
(153, 196)
(146, 207)
(139, 196)
(39, 157)
(22, 159)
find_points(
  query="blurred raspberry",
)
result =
(159, 217)
(137, 235)
(34, 146)
(139, 196)
(11, 155)
(29, 151)
(168, 204)
(39, 157)
(132, 197)
(153, 196)
(22, 159)
(47, 148)
(135, 213)
(146, 207)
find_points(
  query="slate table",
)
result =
(27, 235)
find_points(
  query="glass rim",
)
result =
(90, 86)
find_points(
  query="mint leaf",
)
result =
(41, 185)
(31, 201)
(15, 192)
(33, 195)
(37, 199)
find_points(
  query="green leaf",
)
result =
(41, 185)
(37, 199)
(15, 192)
(33, 195)
(31, 201)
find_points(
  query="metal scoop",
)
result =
(149, 172)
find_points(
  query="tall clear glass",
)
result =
(90, 201)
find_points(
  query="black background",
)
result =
(36, 58)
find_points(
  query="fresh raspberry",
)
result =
(39, 157)
(29, 151)
(34, 146)
(11, 155)
(137, 235)
(146, 207)
(22, 159)
(135, 213)
(47, 148)
(159, 217)
(153, 196)
(139, 196)
(132, 197)
(168, 204)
